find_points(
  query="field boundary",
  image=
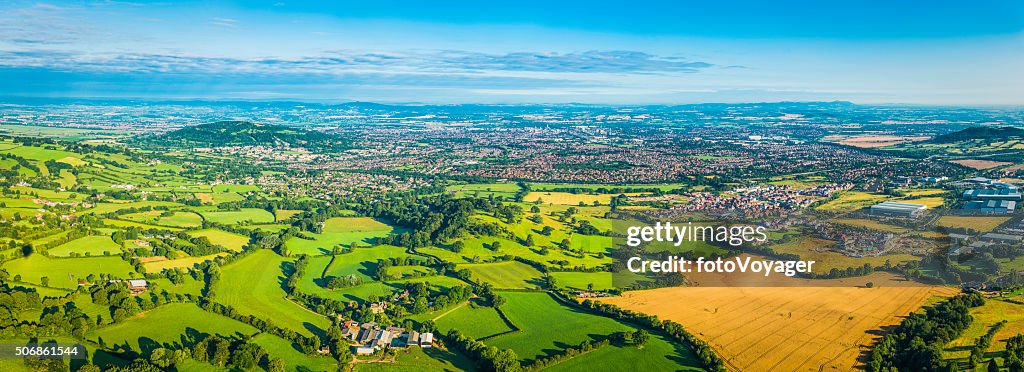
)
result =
(504, 318)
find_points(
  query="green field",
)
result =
(483, 190)
(984, 317)
(252, 285)
(93, 245)
(235, 188)
(122, 223)
(478, 248)
(177, 219)
(508, 275)
(473, 321)
(340, 231)
(581, 280)
(253, 215)
(171, 324)
(104, 208)
(229, 240)
(362, 262)
(546, 326)
(659, 354)
(65, 272)
(293, 359)
(363, 292)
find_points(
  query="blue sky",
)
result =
(636, 52)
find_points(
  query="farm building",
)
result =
(426, 339)
(137, 286)
(895, 209)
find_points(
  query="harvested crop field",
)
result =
(980, 164)
(787, 328)
(980, 224)
(875, 141)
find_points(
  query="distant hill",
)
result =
(243, 133)
(988, 133)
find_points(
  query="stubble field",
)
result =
(787, 328)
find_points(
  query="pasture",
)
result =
(253, 285)
(92, 245)
(65, 272)
(477, 322)
(175, 219)
(380, 289)
(166, 326)
(340, 231)
(223, 238)
(294, 360)
(483, 190)
(505, 275)
(822, 325)
(984, 317)
(581, 280)
(104, 208)
(229, 217)
(546, 325)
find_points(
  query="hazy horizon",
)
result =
(532, 52)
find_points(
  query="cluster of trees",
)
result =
(707, 356)
(916, 344)
(118, 297)
(431, 220)
(486, 291)
(345, 281)
(13, 301)
(194, 246)
(338, 344)
(299, 269)
(1015, 353)
(385, 263)
(945, 271)
(65, 318)
(488, 358)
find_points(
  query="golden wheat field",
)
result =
(788, 328)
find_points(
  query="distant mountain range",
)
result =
(972, 133)
(243, 133)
